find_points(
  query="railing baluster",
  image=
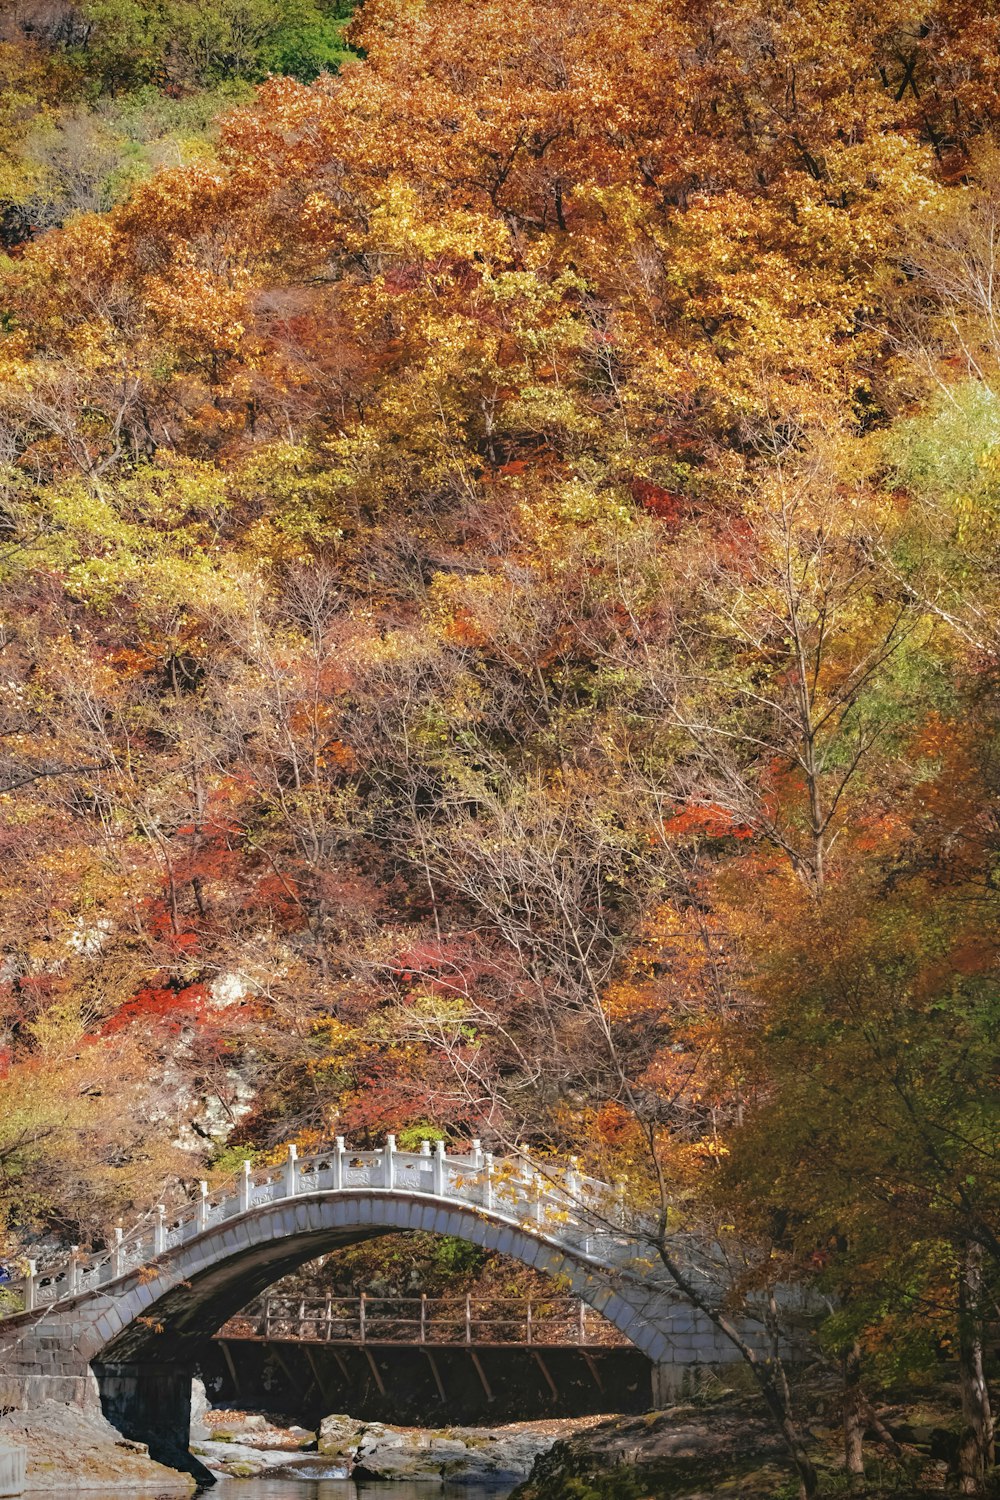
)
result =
(362, 1318)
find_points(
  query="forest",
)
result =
(500, 624)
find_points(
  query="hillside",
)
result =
(499, 530)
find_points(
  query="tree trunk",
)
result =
(854, 1427)
(768, 1373)
(976, 1452)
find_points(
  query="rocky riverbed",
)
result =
(247, 1445)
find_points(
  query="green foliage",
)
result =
(308, 41)
(457, 1257)
(411, 1137)
(948, 453)
(126, 45)
(137, 42)
(229, 1158)
(137, 86)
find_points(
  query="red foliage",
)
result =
(161, 925)
(281, 895)
(709, 819)
(170, 1010)
(439, 967)
(665, 505)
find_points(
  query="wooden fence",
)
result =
(505, 1322)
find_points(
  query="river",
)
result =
(346, 1489)
(301, 1489)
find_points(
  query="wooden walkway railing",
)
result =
(505, 1322)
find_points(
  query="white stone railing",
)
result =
(557, 1202)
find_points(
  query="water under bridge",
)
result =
(129, 1326)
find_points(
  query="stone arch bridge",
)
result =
(126, 1326)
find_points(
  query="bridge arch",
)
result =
(166, 1312)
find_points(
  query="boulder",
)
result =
(387, 1453)
(500, 1458)
(458, 1454)
(339, 1436)
(241, 1460)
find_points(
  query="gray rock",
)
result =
(199, 1406)
(386, 1453)
(240, 1460)
(339, 1436)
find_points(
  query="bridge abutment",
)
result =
(44, 1365)
(151, 1404)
